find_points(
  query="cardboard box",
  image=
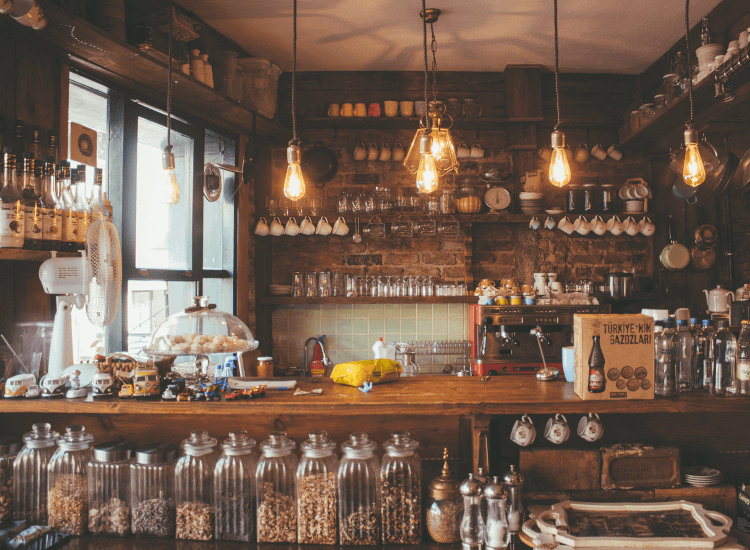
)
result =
(627, 344)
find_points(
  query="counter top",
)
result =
(435, 395)
(129, 543)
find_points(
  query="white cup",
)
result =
(615, 226)
(557, 430)
(340, 228)
(551, 277)
(600, 226)
(590, 427)
(276, 229)
(323, 228)
(640, 191)
(476, 151)
(262, 227)
(614, 153)
(407, 108)
(307, 227)
(385, 153)
(535, 223)
(360, 152)
(631, 226)
(623, 192)
(390, 108)
(555, 286)
(463, 151)
(523, 432)
(581, 226)
(549, 223)
(565, 225)
(599, 152)
(291, 229)
(648, 228)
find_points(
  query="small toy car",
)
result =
(126, 390)
(212, 392)
(172, 378)
(146, 382)
(17, 385)
(53, 387)
(171, 393)
(235, 395)
(103, 384)
(185, 395)
(197, 393)
(33, 391)
(258, 391)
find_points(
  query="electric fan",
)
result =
(93, 280)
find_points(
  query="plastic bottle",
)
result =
(666, 365)
(725, 348)
(702, 343)
(743, 360)
(379, 349)
(684, 356)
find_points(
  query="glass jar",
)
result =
(445, 507)
(316, 490)
(672, 88)
(608, 197)
(472, 524)
(152, 491)
(497, 532)
(401, 490)
(448, 201)
(648, 111)
(30, 475)
(67, 496)
(660, 103)
(234, 487)
(590, 199)
(359, 492)
(8, 451)
(193, 484)
(468, 200)
(635, 121)
(109, 488)
(275, 490)
(574, 199)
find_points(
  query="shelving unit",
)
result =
(407, 123)
(500, 217)
(30, 255)
(290, 300)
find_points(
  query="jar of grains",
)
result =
(152, 491)
(401, 490)
(67, 496)
(30, 475)
(8, 449)
(468, 201)
(109, 488)
(359, 492)
(234, 487)
(445, 507)
(275, 490)
(316, 490)
(193, 480)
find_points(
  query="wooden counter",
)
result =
(129, 543)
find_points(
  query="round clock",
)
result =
(497, 198)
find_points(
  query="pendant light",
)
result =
(294, 182)
(170, 189)
(693, 171)
(559, 169)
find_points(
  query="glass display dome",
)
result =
(200, 330)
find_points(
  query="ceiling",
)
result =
(482, 35)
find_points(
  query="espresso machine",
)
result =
(506, 339)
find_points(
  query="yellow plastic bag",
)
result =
(356, 373)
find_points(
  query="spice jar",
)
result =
(265, 367)
(109, 488)
(30, 475)
(152, 491)
(8, 450)
(401, 490)
(608, 198)
(359, 491)
(316, 490)
(234, 487)
(444, 507)
(67, 497)
(472, 523)
(468, 201)
(574, 199)
(448, 201)
(497, 533)
(590, 199)
(275, 490)
(193, 480)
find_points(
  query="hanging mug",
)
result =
(463, 151)
(372, 151)
(276, 229)
(360, 152)
(262, 228)
(398, 153)
(324, 228)
(307, 227)
(291, 229)
(582, 153)
(385, 153)
(476, 151)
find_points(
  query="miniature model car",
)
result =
(172, 378)
(126, 390)
(103, 384)
(258, 391)
(236, 395)
(146, 382)
(53, 387)
(185, 395)
(33, 391)
(17, 385)
(171, 393)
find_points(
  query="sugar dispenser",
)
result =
(498, 535)
(472, 524)
(514, 482)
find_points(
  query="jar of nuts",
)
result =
(316, 490)
(445, 507)
(193, 480)
(234, 487)
(67, 495)
(359, 492)
(468, 200)
(401, 490)
(30, 475)
(275, 490)
(152, 506)
(109, 488)
(8, 450)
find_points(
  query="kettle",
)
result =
(718, 299)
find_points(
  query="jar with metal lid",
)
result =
(514, 482)
(448, 201)
(472, 523)
(445, 507)
(608, 198)
(497, 533)
(660, 103)
(359, 491)
(635, 121)
(193, 481)
(152, 503)
(275, 489)
(648, 111)
(590, 199)
(67, 496)
(468, 200)
(30, 474)
(574, 199)
(109, 488)
(317, 497)
(234, 487)
(8, 450)
(401, 490)
(265, 367)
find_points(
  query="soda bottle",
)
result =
(597, 381)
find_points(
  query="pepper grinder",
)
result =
(472, 524)
(484, 480)
(514, 482)
(498, 534)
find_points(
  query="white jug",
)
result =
(718, 300)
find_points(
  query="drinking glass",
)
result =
(314, 204)
(342, 204)
(369, 203)
(352, 285)
(357, 203)
(382, 289)
(298, 284)
(362, 289)
(404, 286)
(299, 207)
(272, 205)
(311, 283)
(472, 109)
(388, 286)
(338, 287)
(413, 286)
(373, 286)
(426, 291)
(396, 289)
(430, 288)
(324, 284)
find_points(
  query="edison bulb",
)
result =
(693, 171)
(294, 183)
(427, 180)
(438, 145)
(559, 169)
(170, 189)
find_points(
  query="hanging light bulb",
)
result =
(693, 171)
(170, 189)
(294, 183)
(427, 178)
(559, 169)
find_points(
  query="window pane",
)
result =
(149, 303)
(220, 292)
(163, 234)
(89, 106)
(218, 217)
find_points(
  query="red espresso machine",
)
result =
(502, 341)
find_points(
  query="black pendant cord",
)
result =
(433, 47)
(169, 77)
(557, 72)
(295, 139)
(689, 63)
(424, 39)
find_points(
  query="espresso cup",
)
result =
(535, 223)
(631, 226)
(276, 229)
(565, 225)
(407, 108)
(360, 110)
(590, 427)
(614, 153)
(615, 226)
(581, 226)
(291, 229)
(476, 151)
(523, 432)
(623, 192)
(262, 228)
(307, 227)
(390, 108)
(557, 430)
(385, 153)
(600, 226)
(599, 152)
(334, 110)
(340, 228)
(323, 228)
(582, 153)
(347, 110)
(360, 152)
(549, 223)
(463, 151)
(648, 228)
(640, 191)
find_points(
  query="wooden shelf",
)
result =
(94, 50)
(501, 217)
(31, 255)
(406, 123)
(289, 300)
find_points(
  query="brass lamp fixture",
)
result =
(170, 189)
(294, 182)
(559, 168)
(693, 171)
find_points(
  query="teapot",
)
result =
(718, 299)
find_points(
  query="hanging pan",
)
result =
(319, 164)
(674, 256)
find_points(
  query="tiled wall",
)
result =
(351, 330)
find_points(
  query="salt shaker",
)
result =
(514, 482)
(498, 534)
(472, 524)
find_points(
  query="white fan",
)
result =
(94, 279)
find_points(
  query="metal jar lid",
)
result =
(114, 451)
(481, 477)
(9, 446)
(156, 453)
(444, 487)
(495, 489)
(513, 478)
(471, 487)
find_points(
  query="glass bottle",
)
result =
(152, 490)
(445, 507)
(70, 214)
(193, 487)
(725, 348)
(36, 143)
(109, 488)
(665, 375)
(597, 381)
(32, 228)
(82, 206)
(8, 451)
(234, 487)
(608, 198)
(275, 489)
(317, 499)
(19, 145)
(11, 205)
(514, 482)
(497, 531)
(359, 492)
(30, 475)
(472, 525)
(684, 357)
(743, 360)
(701, 343)
(401, 490)
(448, 201)
(51, 209)
(53, 147)
(574, 199)
(67, 495)
(98, 210)
(590, 199)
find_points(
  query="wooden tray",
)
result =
(679, 524)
